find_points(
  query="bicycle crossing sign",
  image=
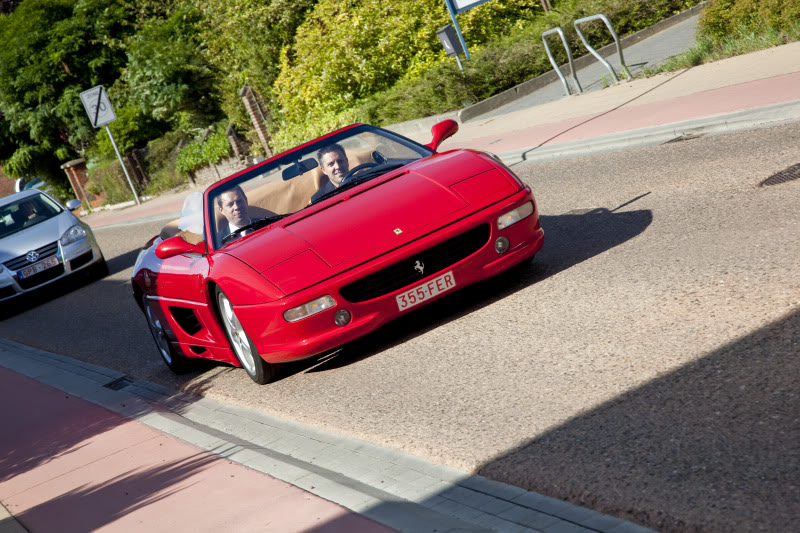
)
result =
(98, 106)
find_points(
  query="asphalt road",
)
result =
(645, 365)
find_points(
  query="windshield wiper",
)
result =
(256, 224)
(366, 175)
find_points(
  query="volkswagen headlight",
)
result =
(73, 234)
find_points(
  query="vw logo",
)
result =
(419, 267)
(32, 256)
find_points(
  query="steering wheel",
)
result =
(353, 171)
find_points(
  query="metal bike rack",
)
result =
(560, 32)
(625, 68)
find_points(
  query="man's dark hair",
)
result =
(236, 188)
(335, 147)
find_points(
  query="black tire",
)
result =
(259, 370)
(174, 361)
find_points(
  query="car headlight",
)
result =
(515, 215)
(309, 308)
(75, 233)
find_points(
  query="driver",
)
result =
(232, 204)
(335, 166)
(29, 210)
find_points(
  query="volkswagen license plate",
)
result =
(426, 291)
(41, 266)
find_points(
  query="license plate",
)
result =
(426, 291)
(50, 262)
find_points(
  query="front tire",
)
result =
(177, 363)
(259, 370)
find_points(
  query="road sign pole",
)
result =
(451, 8)
(121, 162)
(101, 112)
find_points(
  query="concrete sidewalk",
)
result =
(85, 448)
(69, 465)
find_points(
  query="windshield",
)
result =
(310, 174)
(26, 212)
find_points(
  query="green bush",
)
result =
(722, 18)
(161, 156)
(200, 154)
(108, 176)
(732, 27)
(348, 50)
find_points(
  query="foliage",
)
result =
(164, 73)
(131, 130)
(53, 50)
(173, 66)
(214, 148)
(348, 50)
(145, 52)
(160, 160)
(740, 39)
(242, 41)
(722, 18)
(107, 175)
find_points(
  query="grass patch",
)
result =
(743, 40)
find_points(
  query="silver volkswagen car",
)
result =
(41, 241)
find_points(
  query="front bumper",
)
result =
(72, 258)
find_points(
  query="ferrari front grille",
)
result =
(418, 266)
(20, 262)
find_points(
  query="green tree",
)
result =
(166, 72)
(52, 51)
(243, 40)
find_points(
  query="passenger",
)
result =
(335, 166)
(232, 204)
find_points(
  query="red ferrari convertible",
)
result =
(318, 246)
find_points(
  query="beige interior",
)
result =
(277, 197)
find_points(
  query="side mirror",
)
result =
(177, 246)
(73, 204)
(441, 131)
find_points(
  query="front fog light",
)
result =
(515, 215)
(310, 308)
(501, 245)
(342, 317)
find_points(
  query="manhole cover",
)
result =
(789, 174)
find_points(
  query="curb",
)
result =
(396, 489)
(764, 117)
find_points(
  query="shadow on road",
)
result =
(712, 446)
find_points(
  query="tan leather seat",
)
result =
(277, 197)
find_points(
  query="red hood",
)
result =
(376, 216)
(308, 250)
